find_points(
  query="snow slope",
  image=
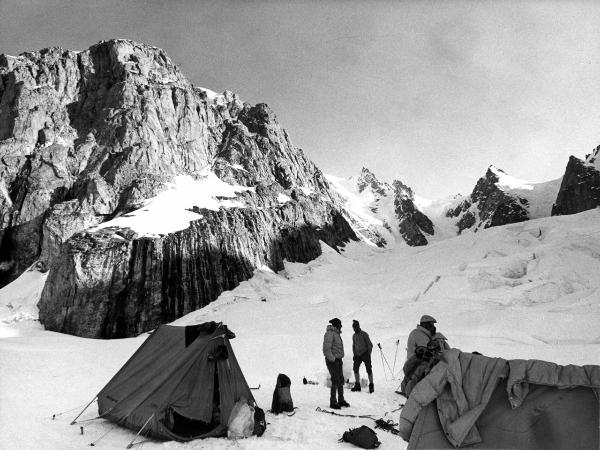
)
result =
(541, 196)
(172, 209)
(359, 205)
(526, 290)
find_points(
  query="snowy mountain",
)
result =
(580, 187)
(383, 209)
(144, 196)
(129, 198)
(500, 199)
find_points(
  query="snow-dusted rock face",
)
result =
(493, 202)
(412, 223)
(379, 209)
(90, 145)
(580, 188)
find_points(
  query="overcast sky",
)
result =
(430, 93)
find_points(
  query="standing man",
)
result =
(333, 349)
(361, 348)
(420, 336)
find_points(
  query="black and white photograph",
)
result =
(273, 224)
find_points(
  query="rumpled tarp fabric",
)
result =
(463, 384)
(525, 372)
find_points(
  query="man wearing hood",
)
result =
(333, 349)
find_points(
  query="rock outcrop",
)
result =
(489, 205)
(580, 187)
(405, 217)
(89, 136)
(412, 223)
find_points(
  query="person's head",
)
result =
(428, 323)
(337, 323)
(355, 326)
(437, 342)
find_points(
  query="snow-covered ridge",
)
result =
(369, 223)
(593, 159)
(212, 96)
(506, 181)
(540, 196)
(172, 209)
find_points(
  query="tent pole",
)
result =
(141, 429)
(88, 405)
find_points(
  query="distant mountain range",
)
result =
(145, 197)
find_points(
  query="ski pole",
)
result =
(382, 364)
(397, 343)
(386, 361)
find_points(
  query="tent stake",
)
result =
(88, 405)
(141, 429)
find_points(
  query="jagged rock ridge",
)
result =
(580, 187)
(89, 136)
(489, 205)
(395, 206)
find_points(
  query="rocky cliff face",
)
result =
(580, 187)
(86, 137)
(490, 204)
(410, 222)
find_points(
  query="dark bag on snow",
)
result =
(362, 437)
(260, 422)
(282, 398)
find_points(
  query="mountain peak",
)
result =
(504, 181)
(403, 190)
(368, 178)
(594, 158)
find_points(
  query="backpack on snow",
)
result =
(362, 437)
(282, 398)
(260, 422)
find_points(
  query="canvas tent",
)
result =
(181, 384)
(473, 401)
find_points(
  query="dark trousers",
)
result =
(337, 379)
(364, 358)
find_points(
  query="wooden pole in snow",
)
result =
(88, 405)
(141, 429)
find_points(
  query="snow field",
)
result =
(527, 290)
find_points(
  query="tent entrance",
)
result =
(189, 428)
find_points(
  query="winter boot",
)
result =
(371, 388)
(341, 402)
(356, 387)
(333, 404)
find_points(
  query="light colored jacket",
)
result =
(333, 346)
(471, 380)
(361, 343)
(419, 337)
